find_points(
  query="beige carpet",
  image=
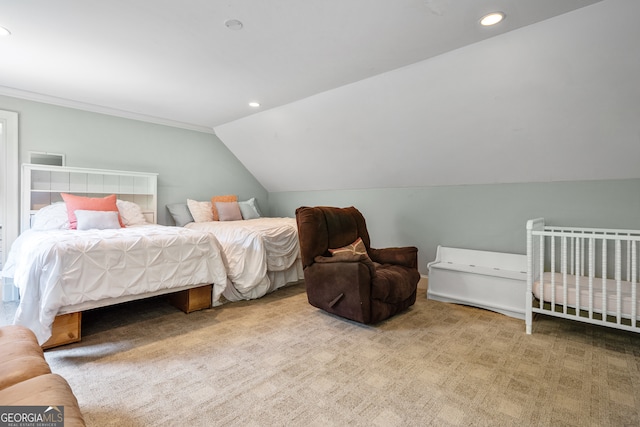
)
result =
(278, 361)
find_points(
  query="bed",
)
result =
(261, 254)
(584, 274)
(61, 271)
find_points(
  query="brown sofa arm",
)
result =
(26, 379)
(44, 390)
(406, 256)
(345, 258)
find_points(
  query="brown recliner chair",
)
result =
(363, 288)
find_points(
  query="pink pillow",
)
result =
(75, 203)
(214, 199)
(228, 211)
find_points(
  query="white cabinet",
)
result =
(42, 185)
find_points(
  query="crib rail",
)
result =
(585, 274)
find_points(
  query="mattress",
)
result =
(59, 268)
(611, 297)
(254, 250)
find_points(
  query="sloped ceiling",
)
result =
(354, 93)
(177, 62)
(558, 100)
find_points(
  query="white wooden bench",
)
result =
(491, 280)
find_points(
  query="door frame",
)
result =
(9, 181)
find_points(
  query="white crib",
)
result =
(584, 274)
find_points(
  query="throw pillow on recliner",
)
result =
(355, 252)
(355, 248)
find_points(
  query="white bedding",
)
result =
(626, 301)
(254, 251)
(59, 268)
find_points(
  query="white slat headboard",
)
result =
(42, 185)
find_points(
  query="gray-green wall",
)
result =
(198, 165)
(487, 217)
(190, 164)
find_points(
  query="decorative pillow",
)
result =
(180, 213)
(200, 211)
(75, 203)
(357, 248)
(130, 213)
(354, 252)
(228, 211)
(100, 220)
(249, 209)
(214, 199)
(52, 217)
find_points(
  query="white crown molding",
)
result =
(62, 102)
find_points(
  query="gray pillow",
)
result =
(180, 213)
(249, 209)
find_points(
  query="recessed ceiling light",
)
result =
(4, 32)
(233, 24)
(254, 104)
(492, 18)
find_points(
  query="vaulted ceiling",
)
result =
(353, 93)
(180, 60)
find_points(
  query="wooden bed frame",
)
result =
(67, 325)
(42, 185)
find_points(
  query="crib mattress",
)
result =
(626, 300)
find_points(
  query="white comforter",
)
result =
(251, 249)
(60, 268)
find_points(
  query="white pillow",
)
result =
(52, 217)
(100, 220)
(131, 213)
(200, 211)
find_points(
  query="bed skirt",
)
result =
(274, 280)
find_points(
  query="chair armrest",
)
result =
(348, 258)
(406, 256)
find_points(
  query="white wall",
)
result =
(557, 100)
